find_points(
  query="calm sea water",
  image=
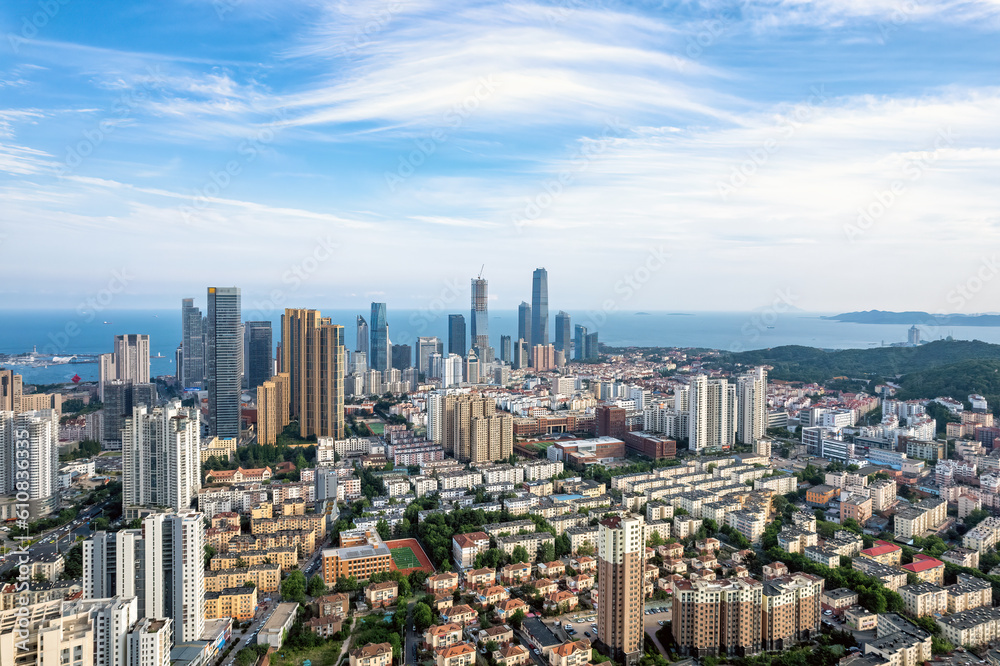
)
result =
(67, 332)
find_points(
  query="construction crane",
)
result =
(480, 277)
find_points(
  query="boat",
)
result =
(108, 322)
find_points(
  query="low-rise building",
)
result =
(860, 618)
(926, 568)
(442, 635)
(372, 654)
(923, 599)
(839, 599)
(884, 552)
(972, 627)
(379, 595)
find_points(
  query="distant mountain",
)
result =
(919, 318)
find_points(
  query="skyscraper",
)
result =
(592, 347)
(161, 459)
(378, 359)
(621, 548)
(751, 387)
(112, 564)
(451, 370)
(362, 340)
(132, 358)
(425, 347)
(402, 357)
(120, 398)
(456, 335)
(711, 414)
(580, 343)
(173, 567)
(505, 349)
(258, 353)
(224, 367)
(312, 350)
(524, 323)
(539, 307)
(563, 332)
(11, 388)
(273, 403)
(480, 315)
(29, 459)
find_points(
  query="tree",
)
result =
(518, 555)
(548, 552)
(317, 587)
(517, 618)
(383, 529)
(423, 616)
(209, 554)
(293, 588)
(347, 584)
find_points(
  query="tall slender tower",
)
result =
(258, 353)
(524, 323)
(173, 565)
(480, 314)
(751, 387)
(132, 358)
(580, 341)
(362, 341)
(225, 361)
(621, 548)
(312, 349)
(379, 357)
(563, 332)
(192, 371)
(539, 307)
(456, 335)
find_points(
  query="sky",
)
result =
(676, 155)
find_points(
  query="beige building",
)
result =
(899, 642)
(373, 654)
(791, 610)
(968, 593)
(620, 565)
(460, 654)
(531, 543)
(921, 517)
(718, 617)
(924, 599)
(273, 404)
(972, 627)
(312, 353)
(473, 430)
(576, 653)
(442, 635)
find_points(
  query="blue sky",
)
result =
(679, 155)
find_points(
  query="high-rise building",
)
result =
(718, 617)
(543, 357)
(274, 399)
(473, 430)
(362, 336)
(621, 548)
(132, 358)
(224, 366)
(29, 458)
(520, 357)
(472, 367)
(480, 315)
(120, 398)
(425, 347)
(451, 370)
(591, 347)
(539, 307)
(712, 414)
(751, 387)
(161, 459)
(258, 353)
(150, 642)
(173, 568)
(312, 350)
(791, 610)
(611, 421)
(402, 357)
(378, 359)
(505, 349)
(524, 323)
(564, 332)
(456, 335)
(11, 388)
(112, 565)
(580, 343)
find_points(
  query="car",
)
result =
(537, 651)
(568, 627)
(662, 622)
(587, 634)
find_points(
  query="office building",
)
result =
(224, 364)
(274, 399)
(472, 367)
(161, 459)
(120, 398)
(361, 344)
(258, 353)
(524, 322)
(425, 347)
(192, 370)
(539, 307)
(620, 566)
(378, 358)
(505, 349)
(580, 343)
(520, 358)
(30, 438)
(402, 357)
(456, 335)
(712, 414)
(472, 430)
(751, 389)
(563, 332)
(480, 320)
(312, 349)
(592, 346)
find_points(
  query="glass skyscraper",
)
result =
(258, 353)
(456, 335)
(379, 357)
(225, 361)
(362, 341)
(563, 332)
(540, 307)
(524, 323)
(192, 371)
(480, 316)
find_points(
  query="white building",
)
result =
(752, 421)
(712, 414)
(32, 438)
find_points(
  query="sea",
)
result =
(68, 332)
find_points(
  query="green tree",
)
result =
(548, 552)
(518, 555)
(293, 588)
(423, 616)
(317, 587)
(517, 618)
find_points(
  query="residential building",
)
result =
(620, 564)
(372, 654)
(791, 610)
(924, 599)
(718, 617)
(312, 351)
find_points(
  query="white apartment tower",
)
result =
(161, 463)
(711, 414)
(174, 567)
(33, 439)
(752, 389)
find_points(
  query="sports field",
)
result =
(404, 558)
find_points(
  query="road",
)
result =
(411, 638)
(249, 636)
(53, 538)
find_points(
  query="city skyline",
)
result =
(689, 134)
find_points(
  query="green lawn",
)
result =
(405, 558)
(323, 655)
